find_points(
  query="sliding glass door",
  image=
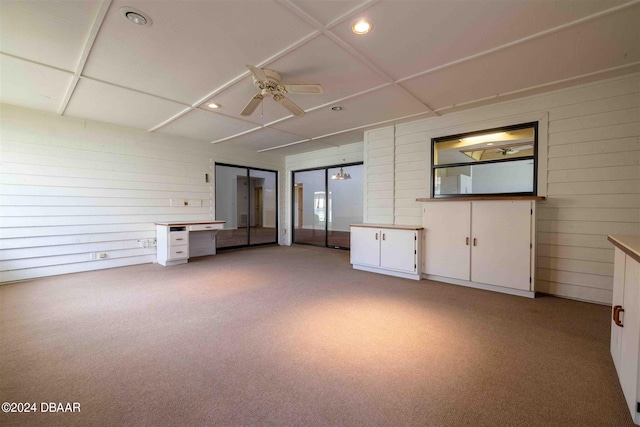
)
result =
(326, 201)
(247, 199)
(309, 209)
(346, 203)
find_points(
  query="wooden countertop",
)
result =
(479, 198)
(629, 244)
(190, 223)
(394, 227)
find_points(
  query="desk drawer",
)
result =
(204, 227)
(178, 238)
(178, 252)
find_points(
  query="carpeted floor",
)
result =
(292, 336)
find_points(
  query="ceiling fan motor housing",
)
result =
(272, 82)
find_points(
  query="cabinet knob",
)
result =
(616, 315)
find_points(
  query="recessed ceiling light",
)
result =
(491, 143)
(135, 16)
(213, 105)
(337, 108)
(361, 27)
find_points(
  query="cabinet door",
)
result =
(618, 290)
(447, 230)
(501, 243)
(398, 250)
(365, 246)
(630, 342)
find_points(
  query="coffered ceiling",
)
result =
(83, 58)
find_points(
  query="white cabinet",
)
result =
(173, 244)
(386, 249)
(625, 322)
(482, 244)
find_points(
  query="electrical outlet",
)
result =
(153, 242)
(284, 231)
(102, 255)
(92, 255)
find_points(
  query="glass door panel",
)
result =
(263, 227)
(309, 207)
(345, 187)
(232, 205)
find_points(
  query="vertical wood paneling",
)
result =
(590, 172)
(71, 187)
(379, 172)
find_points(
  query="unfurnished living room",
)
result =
(314, 213)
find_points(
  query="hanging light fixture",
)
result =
(341, 175)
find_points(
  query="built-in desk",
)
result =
(179, 241)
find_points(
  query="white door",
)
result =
(629, 355)
(365, 246)
(617, 300)
(501, 243)
(398, 250)
(447, 236)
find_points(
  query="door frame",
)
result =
(326, 192)
(249, 199)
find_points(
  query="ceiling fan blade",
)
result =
(252, 105)
(257, 73)
(302, 89)
(291, 106)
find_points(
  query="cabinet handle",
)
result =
(208, 226)
(384, 236)
(467, 241)
(179, 252)
(179, 239)
(376, 236)
(475, 242)
(616, 315)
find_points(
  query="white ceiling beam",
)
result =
(543, 85)
(522, 40)
(88, 45)
(326, 30)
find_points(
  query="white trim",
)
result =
(386, 271)
(483, 286)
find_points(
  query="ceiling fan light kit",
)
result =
(268, 81)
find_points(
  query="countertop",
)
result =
(479, 198)
(395, 227)
(629, 244)
(189, 223)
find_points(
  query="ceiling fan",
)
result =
(268, 81)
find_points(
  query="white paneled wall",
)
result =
(71, 187)
(350, 153)
(589, 165)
